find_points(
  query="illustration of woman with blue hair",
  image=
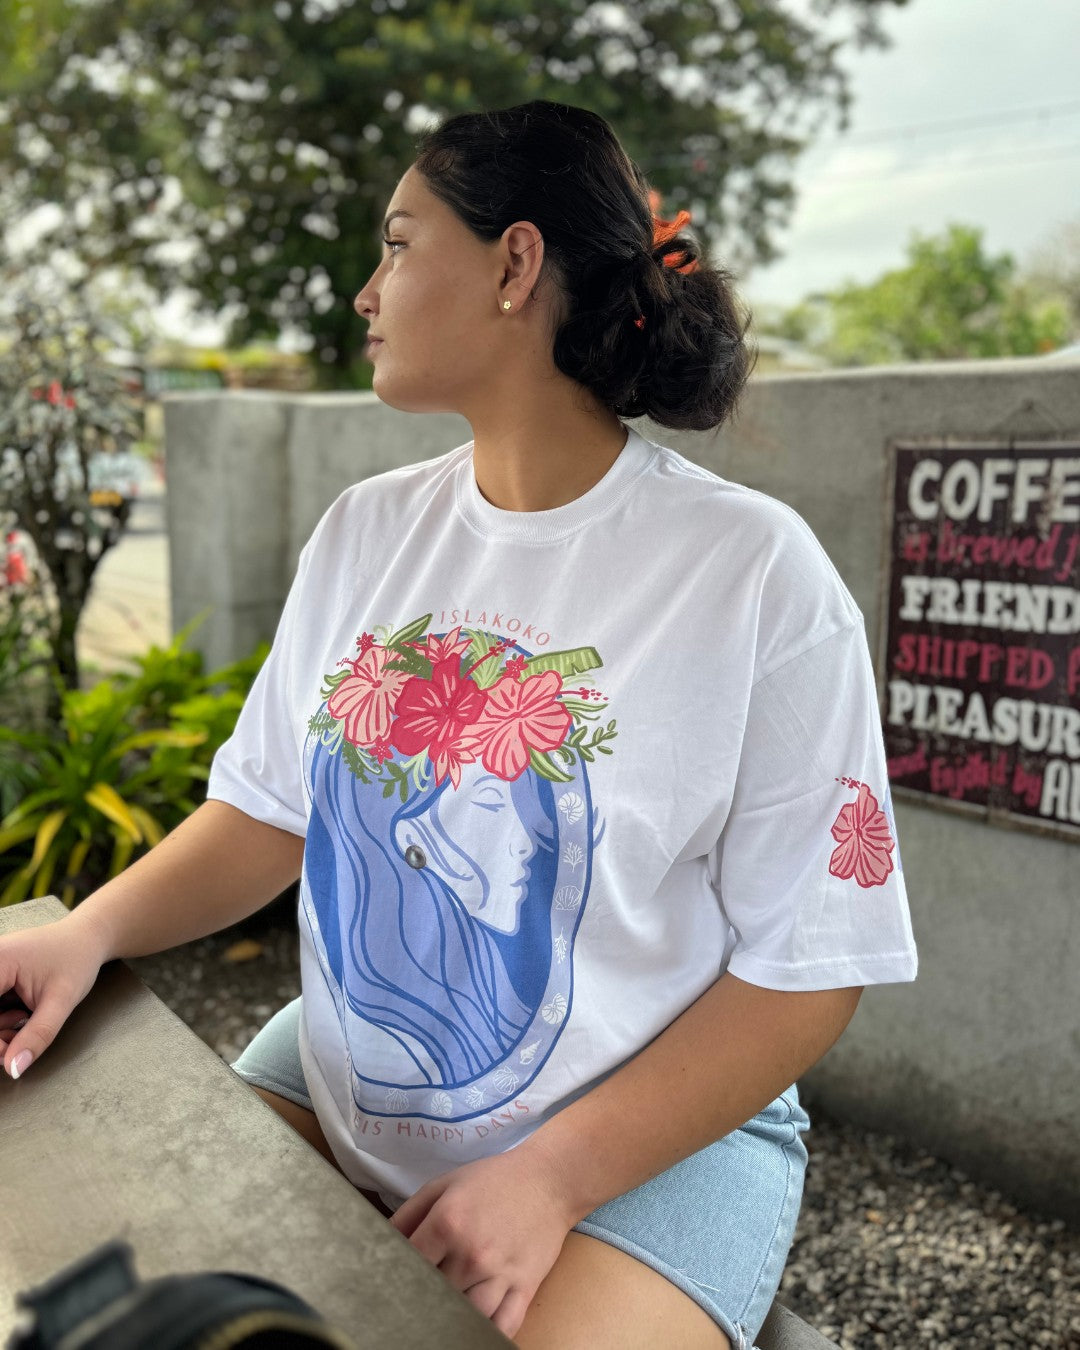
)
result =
(444, 906)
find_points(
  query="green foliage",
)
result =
(1052, 272)
(60, 404)
(127, 766)
(25, 655)
(286, 126)
(952, 300)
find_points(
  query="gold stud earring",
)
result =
(506, 304)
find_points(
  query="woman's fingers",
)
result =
(487, 1295)
(408, 1217)
(511, 1313)
(11, 1022)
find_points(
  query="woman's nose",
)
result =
(363, 307)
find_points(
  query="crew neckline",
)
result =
(545, 527)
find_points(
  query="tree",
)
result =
(60, 403)
(247, 151)
(952, 300)
(1052, 272)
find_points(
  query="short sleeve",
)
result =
(258, 769)
(807, 866)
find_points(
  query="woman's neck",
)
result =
(537, 465)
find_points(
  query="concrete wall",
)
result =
(979, 1060)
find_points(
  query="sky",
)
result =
(971, 116)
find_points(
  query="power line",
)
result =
(1037, 156)
(1000, 117)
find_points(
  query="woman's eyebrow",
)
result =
(394, 215)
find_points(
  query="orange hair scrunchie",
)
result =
(663, 230)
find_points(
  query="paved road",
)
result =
(128, 609)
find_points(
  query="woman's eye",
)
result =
(393, 243)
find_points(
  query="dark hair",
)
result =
(563, 169)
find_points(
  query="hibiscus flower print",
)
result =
(439, 649)
(437, 715)
(410, 696)
(864, 844)
(519, 716)
(365, 700)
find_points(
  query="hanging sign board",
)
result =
(980, 660)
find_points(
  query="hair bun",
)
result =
(607, 259)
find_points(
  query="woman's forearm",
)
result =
(217, 867)
(725, 1058)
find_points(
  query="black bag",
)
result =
(97, 1303)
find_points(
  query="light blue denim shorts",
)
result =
(718, 1225)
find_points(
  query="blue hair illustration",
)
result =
(444, 925)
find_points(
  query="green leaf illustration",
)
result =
(331, 682)
(410, 661)
(546, 767)
(354, 761)
(574, 662)
(412, 632)
(487, 672)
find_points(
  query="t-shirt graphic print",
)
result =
(448, 860)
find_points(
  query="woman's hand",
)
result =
(44, 972)
(494, 1228)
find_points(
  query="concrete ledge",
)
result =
(131, 1127)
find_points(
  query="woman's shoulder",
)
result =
(763, 528)
(765, 553)
(394, 492)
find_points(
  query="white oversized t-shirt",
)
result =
(556, 772)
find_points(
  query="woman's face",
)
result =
(479, 818)
(434, 301)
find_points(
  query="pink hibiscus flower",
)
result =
(440, 648)
(521, 716)
(365, 699)
(864, 844)
(437, 715)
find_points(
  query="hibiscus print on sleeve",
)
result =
(864, 844)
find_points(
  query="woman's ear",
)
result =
(413, 842)
(522, 259)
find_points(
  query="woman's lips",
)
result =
(372, 343)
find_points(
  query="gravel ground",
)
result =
(894, 1248)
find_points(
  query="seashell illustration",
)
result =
(529, 1053)
(440, 1103)
(572, 854)
(572, 807)
(505, 1080)
(554, 1011)
(474, 1097)
(396, 1100)
(567, 897)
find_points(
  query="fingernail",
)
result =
(21, 1063)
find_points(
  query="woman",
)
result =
(576, 749)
